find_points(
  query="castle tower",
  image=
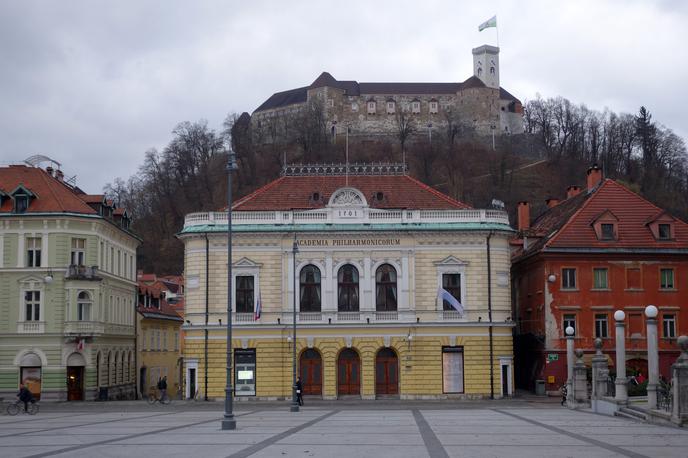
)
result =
(486, 65)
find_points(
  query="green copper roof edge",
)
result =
(346, 227)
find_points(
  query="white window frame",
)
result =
(606, 325)
(451, 265)
(84, 304)
(434, 107)
(246, 268)
(665, 321)
(34, 247)
(506, 361)
(78, 253)
(391, 107)
(415, 107)
(371, 107)
(354, 107)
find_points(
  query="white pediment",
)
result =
(245, 262)
(347, 197)
(451, 261)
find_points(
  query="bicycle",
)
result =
(153, 398)
(15, 407)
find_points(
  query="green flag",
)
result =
(492, 22)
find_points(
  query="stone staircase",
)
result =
(632, 412)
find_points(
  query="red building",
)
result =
(601, 249)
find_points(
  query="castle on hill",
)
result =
(378, 109)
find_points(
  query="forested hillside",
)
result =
(561, 141)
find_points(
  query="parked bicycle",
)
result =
(564, 394)
(17, 406)
(154, 396)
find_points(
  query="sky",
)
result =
(95, 84)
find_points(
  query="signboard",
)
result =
(550, 379)
(349, 242)
(553, 357)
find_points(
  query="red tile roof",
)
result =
(166, 310)
(570, 224)
(295, 192)
(52, 195)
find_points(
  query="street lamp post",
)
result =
(228, 422)
(294, 401)
(652, 356)
(621, 396)
(570, 331)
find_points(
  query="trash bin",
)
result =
(540, 388)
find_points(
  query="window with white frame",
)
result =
(176, 341)
(669, 326)
(112, 260)
(157, 339)
(33, 252)
(666, 278)
(371, 107)
(164, 340)
(601, 326)
(354, 107)
(32, 305)
(600, 275)
(415, 107)
(391, 107)
(83, 306)
(569, 321)
(568, 278)
(244, 293)
(151, 347)
(434, 107)
(452, 284)
(78, 257)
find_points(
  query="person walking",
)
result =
(299, 391)
(163, 387)
(25, 396)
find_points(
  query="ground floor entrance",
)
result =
(348, 373)
(75, 383)
(386, 373)
(310, 371)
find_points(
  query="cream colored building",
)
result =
(374, 250)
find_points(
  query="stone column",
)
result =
(600, 372)
(621, 387)
(569, 365)
(580, 380)
(652, 356)
(679, 371)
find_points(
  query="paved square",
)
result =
(368, 430)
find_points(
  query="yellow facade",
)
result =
(421, 248)
(159, 354)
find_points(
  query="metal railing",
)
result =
(665, 396)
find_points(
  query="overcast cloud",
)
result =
(95, 84)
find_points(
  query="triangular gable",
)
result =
(606, 215)
(245, 262)
(23, 190)
(451, 261)
(661, 216)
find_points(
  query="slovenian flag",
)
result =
(492, 22)
(256, 316)
(445, 295)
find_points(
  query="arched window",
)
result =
(385, 288)
(492, 70)
(310, 289)
(480, 71)
(83, 306)
(347, 288)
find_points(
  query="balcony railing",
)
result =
(88, 328)
(77, 272)
(31, 327)
(330, 216)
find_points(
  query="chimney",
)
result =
(594, 176)
(552, 202)
(523, 215)
(49, 170)
(572, 191)
(59, 175)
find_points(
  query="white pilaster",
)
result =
(44, 250)
(21, 249)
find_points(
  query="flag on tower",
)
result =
(492, 22)
(80, 344)
(444, 295)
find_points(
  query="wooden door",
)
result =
(310, 370)
(348, 373)
(75, 383)
(386, 372)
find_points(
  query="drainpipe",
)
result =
(205, 331)
(489, 313)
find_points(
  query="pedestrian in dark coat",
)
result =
(299, 391)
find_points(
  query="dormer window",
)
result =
(391, 107)
(607, 231)
(415, 107)
(664, 231)
(21, 203)
(662, 226)
(371, 107)
(379, 196)
(315, 197)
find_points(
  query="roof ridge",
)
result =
(439, 194)
(258, 191)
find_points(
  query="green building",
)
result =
(67, 289)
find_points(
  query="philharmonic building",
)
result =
(399, 290)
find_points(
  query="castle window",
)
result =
(492, 70)
(433, 107)
(390, 107)
(371, 107)
(480, 71)
(354, 107)
(415, 107)
(330, 102)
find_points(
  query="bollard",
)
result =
(569, 366)
(652, 356)
(580, 380)
(600, 372)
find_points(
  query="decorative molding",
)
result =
(387, 341)
(382, 168)
(244, 343)
(348, 341)
(451, 261)
(347, 197)
(309, 341)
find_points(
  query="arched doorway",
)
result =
(31, 377)
(386, 373)
(75, 377)
(310, 370)
(348, 373)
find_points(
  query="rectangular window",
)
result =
(78, 252)
(244, 294)
(371, 107)
(664, 231)
(83, 311)
(568, 278)
(390, 107)
(669, 326)
(164, 340)
(666, 278)
(569, 320)
(415, 107)
(452, 369)
(151, 347)
(601, 326)
(600, 275)
(157, 340)
(607, 231)
(452, 284)
(433, 107)
(176, 341)
(33, 252)
(633, 278)
(354, 107)
(32, 305)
